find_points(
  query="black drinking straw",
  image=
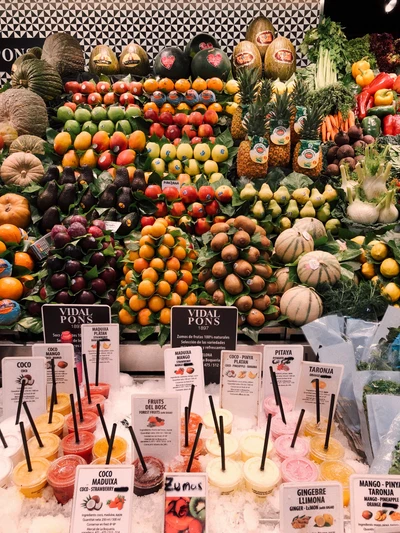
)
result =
(26, 449)
(271, 371)
(296, 431)
(21, 397)
(330, 419)
(78, 395)
(111, 444)
(278, 394)
(192, 453)
(3, 440)
(71, 399)
(186, 427)
(214, 415)
(317, 402)
(33, 425)
(53, 379)
(98, 358)
(50, 419)
(137, 448)
(191, 398)
(85, 371)
(221, 429)
(103, 422)
(266, 439)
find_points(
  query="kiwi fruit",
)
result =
(219, 297)
(244, 303)
(241, 239)
(245, 223)
(219, 270)
(252, 254)
(255, 318)
(265, 242)
(219, 227)
(262, 303)
(233, 284)
(256, 283)
(241, 320)
(219, 241)
(260, 230)
(274, 315)
(243, 268)
(229, 253)
(272, 288)
(211, 285)
(265, 271)
(204, 275)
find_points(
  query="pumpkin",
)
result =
(21, 169)
(282, 280)
(14, 212)
(301, 305)
(29, 144)
(25, 111)
(313, 226)
(8, 133)
(39, 77)
(318, 267)
(291, 243)
(18, 62)
(36, 51)
(64, 53)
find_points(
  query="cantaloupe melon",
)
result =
(291, 243)
(318, 267)
(313, 226)
(280, 59)
(282, 280)
(301, 305)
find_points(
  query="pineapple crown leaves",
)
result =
(312, 122)
(300, 92)
(247, 79)
(255, 120)
(282, 107)
(265, 91)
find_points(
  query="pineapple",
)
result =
(255, 123)
(248, 82)
(281, 111)
(299, 99)
(310, 132)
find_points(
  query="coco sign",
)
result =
(11, 49)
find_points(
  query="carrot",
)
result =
(346, 125)
(328, 124)
(323, 131)
(340, 119)
(352, 119)
(335, 120)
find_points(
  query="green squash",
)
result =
(39, 77)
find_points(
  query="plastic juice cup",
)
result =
(56, 427)
(51, 445)
(8, 425)
(14, 448)
(208, 420)
(278, 428)
(312, 429)
(284, 450)
(83, 448)
(271, 407)
(338, 471)
(298, 470)
(61, 476)
(102, 388)
(251, 444)
(186, 451)
(62, 406)
(96, 398)
(214, 449)
(180, 464)
(102, 461)
(150, 481)
(100, 449)
(32, 483)
(6, 468)
(261, 482)
(194, 421)
(227, 481)
(89, 422)
(318, 454)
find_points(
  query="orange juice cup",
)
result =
(61, 476)
(102, 388)
(318, 454)
(51, 445)
(96, 398)
(102, 461)
(338, 471)
(89, 422)
(62, 406)
(56, 427)
(312, 429)
(194, 422)
(31, 484)
(120, 446)
(186, 451)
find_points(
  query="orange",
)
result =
(192, 254)
(146, 230)
(168, 240)
(187, 276)
(191, 299)
(125, 318)
(10, 233)
(146, 288)
(136, 303)
(129, 276)
(181, 287)
(179, 253)
(133, 255)
(163, 251)
(137, 141)
(168, 108)
(146, 252)
(182, 106)
(156, 303)
(173, 264)
(199, 106)
(158, 230)
(157, 263)
(215, 84)
(165, 316)
(169, 220)
(216, 107)
(121, 300)
(187, 265)
(199, 85)
(129, 292)
(11, 288)
(24, 280)
(83, 141)
(150, 85)
(146, 239)
(122, 283)
(3, 247)
(170, 276)
(125, 269)
(174, 300)
(139, 265)
(166, 85)
(144, 317)
(151, 274)
(25, 260)
(164, 288)
(150, 105)
(182, 85)
(162, 221)
(181, 241)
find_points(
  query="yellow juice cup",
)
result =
(338, 471)
(31, 484)
(102, 461)
(214, 449)
(56, 427)
(251, 444)
(261, 482)
(318, 454)
(51, 445)
(120, 446)
(208, 420)
(62, 406)
(226, 481)
(312, 429)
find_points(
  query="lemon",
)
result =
(232, 87)
(368, 270)
(231, 108)
(158, 165)
(359, 239)
(168, 152)
(379, 251)
(202, 152)
(220, 153)
(184, 151)
(391, 291)
(389, 268)
(153, 150)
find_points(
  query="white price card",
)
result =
(240, 383)
(108, 335)
(311, 506)
(184, 368)
(185, 502)
(103, 498)
(285, 360)
(32, 372)
(63, 355)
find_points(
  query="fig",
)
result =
(34, 308)
(88, 243)
(58, 228)
(73, 251)
(78, 218)
(76, 229)
(108, 300)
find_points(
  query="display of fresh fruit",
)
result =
(307, 155)
(280, 59)
(248, 82)
(280, 113)
(261, 32)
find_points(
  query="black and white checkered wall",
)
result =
(153, 25)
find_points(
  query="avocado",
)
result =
(122, 177)
(128, 223)
(50, 218)
(88, 200)
(67, 197)
(111, 215)
(138, 182)
(67, 176)
(52, 173)
(109, 197)
(48, 196)
(86, 176)
(124, 200)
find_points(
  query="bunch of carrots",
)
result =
(333, 123)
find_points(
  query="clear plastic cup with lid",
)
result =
(261, 482)
(120, 447)
(271, 407)
(6, 469)
(299, 470)
(56, 426)
(61, 476)
(227, 480)
(150, 481)
(62, 406)
(31, 484)
(251, 444)
(278, 427)
(319, 454)
(208, 419)
(102, 461)
(51, 445)
(283, 447)
(89, 422)
(83, 448)
(338, 471)
(14, 448)
(214, 449)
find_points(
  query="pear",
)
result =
(301, 195)
(317, 199)
(258, 210)
(265, 193)
(308, 210)
(285, 223)
(333, 225)
(324, 212)
(249, 192)
(292, 210)
(329, 193)
(274, 208)
(282, 195)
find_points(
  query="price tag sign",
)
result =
(32, 372)
(103, 499)
(184, 368)
(63, 355)
(330, 378)
(286, 362)
(170, 183)
(112, 225)
(185, 502)
(240, 383)
(212, 328)
(375, 502)
(311, 507)
(157, 423)
(108, 334)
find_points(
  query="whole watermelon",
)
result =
(172, 63)
(211, 63)
(201, 41)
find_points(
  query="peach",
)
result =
(70, 159)
(210, 117)
(101, 141)
(62, 142)
(137, 141)
(118, 142)
(126, 157)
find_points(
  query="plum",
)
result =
(78, 218)
(54, 263)
(95, 231)
(108, 300)
(98, 259)
(88, 243)
(99, 286)
(58, 228)
(100, 224)
(61, 239)
(76, 229)
(85, 297)
(112, 262)
(63, 297)
(78, 284)
(73, 251)
(34, 308)
(72, 267)
(59, 280)
(108, 275)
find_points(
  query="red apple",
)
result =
(1, 142)
(109, 98)
(173, 132)
(156, 129)
(210, 117)
(105, 160)
(196, 210)
(206, 194)
(205, 130)
(118, 142)
(212, 139)
(220, 218)
(153, 191)
(126, 98)
(151, 114)
(189, 131)
(162, 210)
(178, 208)
(171, 193)
(188, 194)
(103, 87)
(166, 118)
(195, 118)
(136, 88)
(72, 87)
(88, 87)
(181, 119)
(185, 223)
(79, 98)
(71, 105)
(212, 208)
(170, 220)
(196, 140)
(94, 99)
(120, 87)
(147, 221)
(177, 141)
(126, 157)
(201, 226)
(224, 194)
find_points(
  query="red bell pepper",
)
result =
(396, 84)
(391, 125)
(382, 81)
(364, 102)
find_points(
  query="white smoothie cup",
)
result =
(251, 444)
(261, 482)
(14, 448)
(214, 449)
(226, 481)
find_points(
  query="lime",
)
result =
(82, 115)
(72, 126)
(133, 112)
(107, 125)
(91, 127)
(124, 126)
(65, 113)
(116, 113)
(99, 114)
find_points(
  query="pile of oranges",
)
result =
(158, 275)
